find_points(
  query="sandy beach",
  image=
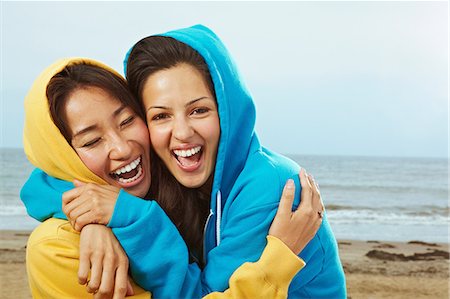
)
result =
(374, 269)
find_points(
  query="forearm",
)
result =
(158, 256)
(52, 262)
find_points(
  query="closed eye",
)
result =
(92, 142)
(127, 121)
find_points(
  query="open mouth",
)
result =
(188, 158)
(128, 173)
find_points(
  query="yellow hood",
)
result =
(44, 145)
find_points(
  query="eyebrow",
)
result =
(93, 127)
(187, 104)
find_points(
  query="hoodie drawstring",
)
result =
(219, 216)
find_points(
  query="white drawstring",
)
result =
(219, 216)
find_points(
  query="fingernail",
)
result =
(290, 184)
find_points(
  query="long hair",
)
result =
(187, 207)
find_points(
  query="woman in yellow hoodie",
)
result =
(65, 145)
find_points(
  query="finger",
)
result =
(287, 197)
(96, 274)
(130, 291)
(121, 283)
(70, 195)
(78, 211)
(83, 269)
(75, 203)
(83, 220)
(311, 181)
(303, 179)
(107, 283)
(78, 183)
(316, 199)
(306, 194)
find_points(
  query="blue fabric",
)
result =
(158, 256)
(42, 195)
(250, 179)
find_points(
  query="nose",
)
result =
(119, 147)
(182, 129)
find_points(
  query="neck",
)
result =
(206, 188)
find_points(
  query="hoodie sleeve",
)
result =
(246, 219)
(269, 277)
(40, 187)
(141, 226)
(158, 256)
(52, 264)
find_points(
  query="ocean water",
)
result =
(366, 198)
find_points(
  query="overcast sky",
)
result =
(328, 78)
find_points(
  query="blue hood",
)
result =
(235, 105)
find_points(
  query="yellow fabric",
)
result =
(52, 262)
(53, 247)
(269, 277)
(44, 145)
(53, 258)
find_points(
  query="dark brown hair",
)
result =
(188, 208)
(84, 75)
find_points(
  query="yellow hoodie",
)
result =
(53, 247)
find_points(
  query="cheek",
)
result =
(214, 131)
(140, 134)
(94, 161)
(159, 137)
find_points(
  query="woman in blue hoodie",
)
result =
(243, 193)
(246, 177)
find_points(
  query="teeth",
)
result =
(129, 167)
(126, 181)
(187, 153)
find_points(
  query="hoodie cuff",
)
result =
(128, 209)
(281, 269)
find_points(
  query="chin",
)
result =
(192, 183)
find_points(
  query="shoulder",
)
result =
(268, 162)
(264, 176)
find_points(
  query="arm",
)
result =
(246, 222)
(296, 238)
(145, 232)
(40, 187)
(184, 279)
(52, 262)
(269, 277)
(143, 229)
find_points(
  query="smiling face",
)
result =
(183, 121)
(110, 139)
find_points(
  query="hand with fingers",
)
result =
(297, 228)
(103, 264)
(89, 203)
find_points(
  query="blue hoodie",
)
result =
(248, 182)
